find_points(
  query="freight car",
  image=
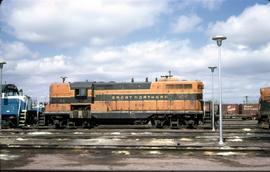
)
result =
(244, 111)
(230, 110)
(164, 102)
(16, 108)
(249, 111)
(264, 108)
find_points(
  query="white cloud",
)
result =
(137, 58)
(161, 56)
(68, 22)
(44, 66)
(186, 23)
(192, 4)
(15, 51)
(97, 24)
(211, 4)
(244, 70)
(29, 70)
(250, 28)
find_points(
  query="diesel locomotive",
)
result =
(164, 102)
(16, 108)
(264, 108)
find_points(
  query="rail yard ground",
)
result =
(137, 148)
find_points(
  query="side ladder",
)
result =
(41, 120)
(22, 118)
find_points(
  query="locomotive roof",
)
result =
(9, 87)
(265, 91)
(265, 88)
(81, 84)
(118, 85)
(111, 85)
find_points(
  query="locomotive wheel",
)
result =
(174, 124)
(195, 126)
(159, 123)
(152, 122)
(71, 125)
(92, 123)
(56, 124)
(11, 124)
(62, 124)
(86, 124)
(190, 123)
(200, 125)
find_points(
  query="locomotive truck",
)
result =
(164, 102)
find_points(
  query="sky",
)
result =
(116, 40)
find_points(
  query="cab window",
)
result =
(81, 93)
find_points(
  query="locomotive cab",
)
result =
(70, 104)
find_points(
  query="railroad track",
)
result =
(131, 137)
(32, 148)
(134, 139)
(141, 147)
(132, 133)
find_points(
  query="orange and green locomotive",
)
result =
(164, 102)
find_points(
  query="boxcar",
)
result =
(249, 111)
(230, 110)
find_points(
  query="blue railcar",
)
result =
(15, 106)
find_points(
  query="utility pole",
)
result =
(246, 99)
(1, 68)
(219, 40)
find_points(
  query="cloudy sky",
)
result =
(107, 40)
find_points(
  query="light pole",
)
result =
(212, 68)
(219, 40)
(1, 67)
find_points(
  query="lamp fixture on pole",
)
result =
(212, 68)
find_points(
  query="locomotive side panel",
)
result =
(60, 98)
(162, 99)
(152, 99)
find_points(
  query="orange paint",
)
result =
(163, 86)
